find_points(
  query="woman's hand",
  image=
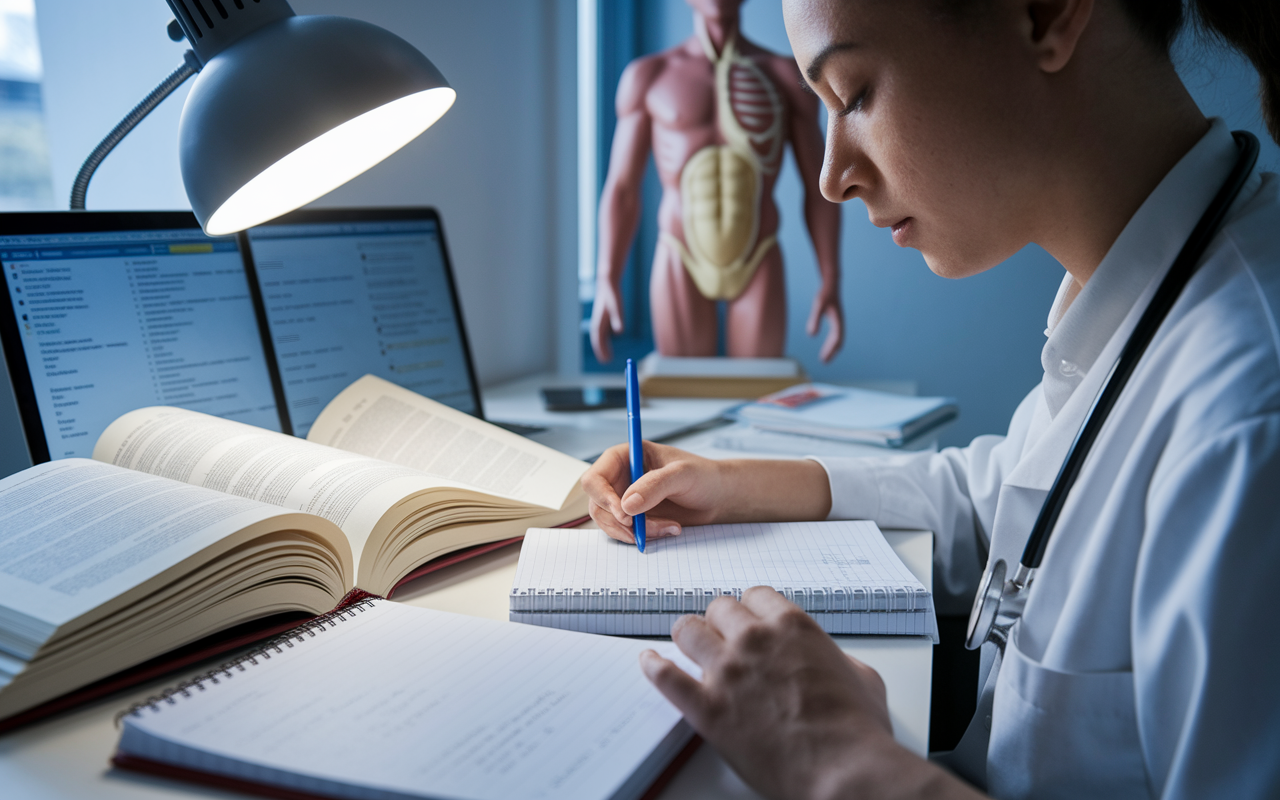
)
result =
(679, 489)
(790, 712)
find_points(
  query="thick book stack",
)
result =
(844, 574)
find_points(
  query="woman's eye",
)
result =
(858, 103)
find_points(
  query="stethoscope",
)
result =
(1000, 602)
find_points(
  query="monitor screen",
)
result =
(113, 320)
(352, 292)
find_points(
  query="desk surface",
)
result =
(585, 434)
(65, 758)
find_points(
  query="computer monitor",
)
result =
(107, 312)
(345, 292)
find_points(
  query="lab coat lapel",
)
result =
(1023, 492)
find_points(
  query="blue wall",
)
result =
(977, 339)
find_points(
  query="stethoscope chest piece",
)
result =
(998, 605)
(985, 606)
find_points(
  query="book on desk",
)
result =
(847, 414)
(186, 525)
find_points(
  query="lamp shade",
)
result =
(295, 109)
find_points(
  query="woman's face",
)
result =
(933, 122)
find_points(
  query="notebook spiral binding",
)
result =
(276, 645)
(695, 601)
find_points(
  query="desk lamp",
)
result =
(285, 108)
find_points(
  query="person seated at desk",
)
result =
(1143, 664)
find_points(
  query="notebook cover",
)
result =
(145, 765)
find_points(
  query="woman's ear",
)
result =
(1053, 29)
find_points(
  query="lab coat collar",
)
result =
(1095, 326)
(1081, 324)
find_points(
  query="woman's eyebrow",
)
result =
(814, 70)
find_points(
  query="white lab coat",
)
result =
(1147, 662)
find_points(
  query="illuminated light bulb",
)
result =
(330, 160)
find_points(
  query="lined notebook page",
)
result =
(411, 702)
(784, 555)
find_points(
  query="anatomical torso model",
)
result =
(716, 112)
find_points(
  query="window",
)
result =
(25, 178)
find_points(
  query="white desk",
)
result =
(584, 434)
(65, 758)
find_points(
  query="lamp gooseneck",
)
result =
(80, 187)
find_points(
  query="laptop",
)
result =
(111, 311)
(349, 292)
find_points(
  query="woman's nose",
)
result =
(841, 164)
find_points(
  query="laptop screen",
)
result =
(112, 320)
(355, 291)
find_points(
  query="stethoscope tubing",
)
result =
(1175, 280)
(999, 603)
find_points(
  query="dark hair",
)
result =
(1250, 26)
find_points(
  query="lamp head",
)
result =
(287, 108)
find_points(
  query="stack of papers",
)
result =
(846, 414)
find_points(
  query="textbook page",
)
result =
(349, 490)
(379, 419)
(412, 702)
(76, 533)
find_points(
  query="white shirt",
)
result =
(1147, 662)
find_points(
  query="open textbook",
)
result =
(185, 525)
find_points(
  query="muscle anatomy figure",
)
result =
(715, 111)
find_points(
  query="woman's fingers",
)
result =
(678, 686)
(603, 481)
(730, 618)
(658, 485)
(610, 525)
(658, 528)
(697, 639)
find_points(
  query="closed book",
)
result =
(842, 573)
(848, 414)
(675, 376)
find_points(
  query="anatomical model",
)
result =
(715, 111)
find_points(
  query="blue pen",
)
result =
(635, 441)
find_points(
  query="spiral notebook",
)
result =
(383, 700)
(843, 573)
